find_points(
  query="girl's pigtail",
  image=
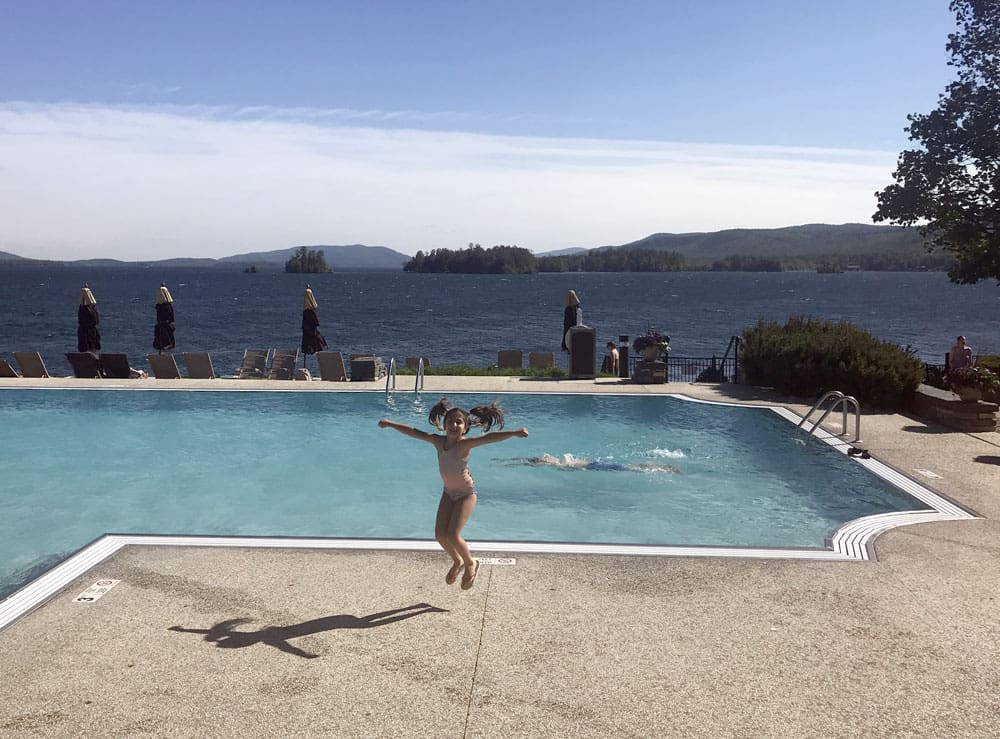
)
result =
(488, 416)
(438, 412)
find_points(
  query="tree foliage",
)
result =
(614, 260)
(513, 260)
(951, 185)
(475, 260)
(309, 261)
(743, 263)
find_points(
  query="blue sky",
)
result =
(149, 130)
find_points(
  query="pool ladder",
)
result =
(390, 377)
(839, 400)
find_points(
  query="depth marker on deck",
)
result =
(95, 591)
(497, 560)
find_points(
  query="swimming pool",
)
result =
(314, 464)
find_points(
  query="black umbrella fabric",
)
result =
(163, 335)
(312, 339)
(88, 338)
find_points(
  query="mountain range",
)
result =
(806, 241)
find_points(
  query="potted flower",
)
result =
(969, 383)
(652, 344)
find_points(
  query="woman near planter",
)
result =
(572, 316)
(959, 356)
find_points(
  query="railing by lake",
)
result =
(699, 369)
(696, 369)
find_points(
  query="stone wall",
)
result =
(944, 407)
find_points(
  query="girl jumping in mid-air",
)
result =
(459, 496)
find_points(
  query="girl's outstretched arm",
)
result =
(494, 436)
(402, 428)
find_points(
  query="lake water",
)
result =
(467, 318)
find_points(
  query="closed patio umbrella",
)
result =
(88, 338)
(163, 335)
(312, 339)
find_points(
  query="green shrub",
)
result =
(992, 363)
(807, 357)
(989, 361)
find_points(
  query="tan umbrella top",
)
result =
(309, 300)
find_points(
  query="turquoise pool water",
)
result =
(77, 464)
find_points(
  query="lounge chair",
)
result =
(510, 359)
(331, 366)
(31, 364)
(164, 366)
(115, 366)
(283, 364)
(85, 364)
(199, 366)
(541, 360)
(254, 365)
(6, 370)
(366, 367)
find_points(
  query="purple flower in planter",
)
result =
(652, 337)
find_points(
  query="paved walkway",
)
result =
(251, 642)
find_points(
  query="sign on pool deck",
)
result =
(95, 591)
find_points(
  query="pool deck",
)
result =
(369, 643)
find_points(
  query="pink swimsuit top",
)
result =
(454, 470)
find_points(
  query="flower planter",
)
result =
(968, 394)
(650, 373)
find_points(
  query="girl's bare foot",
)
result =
(453, 573)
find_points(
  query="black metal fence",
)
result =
(696, 369)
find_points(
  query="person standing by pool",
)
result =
(572, 316)
(88, 338)
(613, 358)
(459, 495)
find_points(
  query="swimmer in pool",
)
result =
(569, 462)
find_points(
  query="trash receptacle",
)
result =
(582, 353)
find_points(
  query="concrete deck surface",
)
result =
(373, 643)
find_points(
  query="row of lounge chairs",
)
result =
(30, 363)
(276, 364)
(514, 359)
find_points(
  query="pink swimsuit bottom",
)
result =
(456, 495)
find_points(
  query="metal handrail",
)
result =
(390, 375)
(419, 384)
(839, 400)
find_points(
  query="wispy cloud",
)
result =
(150, 182)
(145, 90)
